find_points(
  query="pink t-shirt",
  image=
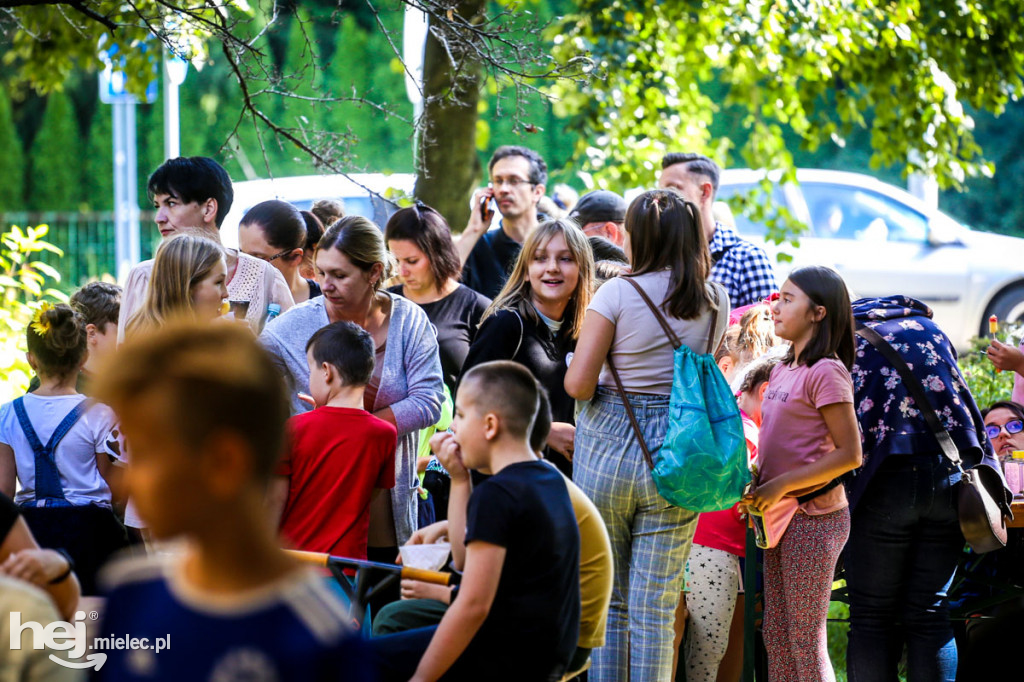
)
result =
(793, 431)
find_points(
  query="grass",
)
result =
(838, 627)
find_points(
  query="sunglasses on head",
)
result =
(1012, 427)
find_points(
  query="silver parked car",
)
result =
(884, 241)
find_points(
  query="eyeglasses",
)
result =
(1012, 427)
(271, 259)
(510, 182)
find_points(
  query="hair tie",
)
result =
(40, 325)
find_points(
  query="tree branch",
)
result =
(81, 9)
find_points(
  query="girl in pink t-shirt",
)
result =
(808, 438)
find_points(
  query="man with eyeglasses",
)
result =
(518, 178)
(194, 194)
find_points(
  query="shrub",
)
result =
(986, 384)
(24, 286)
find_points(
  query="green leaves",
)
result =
(986, 384)
(816, 70)
(55, 180)
(23, 288)
(12, 161)
(53, 41)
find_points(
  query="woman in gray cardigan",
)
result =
(352, 263)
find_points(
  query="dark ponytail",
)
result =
(665, 232)
(283, 226)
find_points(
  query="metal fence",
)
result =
(87, 240)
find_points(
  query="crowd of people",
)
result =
(343, 388)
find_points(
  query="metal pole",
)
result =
(172, 135)
(132, 178)
(126, 208)
(925, 188)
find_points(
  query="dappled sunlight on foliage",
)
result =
(24, 286)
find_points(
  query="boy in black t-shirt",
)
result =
(517, 613)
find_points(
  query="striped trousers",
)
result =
(650, 538)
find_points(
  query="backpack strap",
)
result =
(718, 322)
(629, 413)
(522, 333)
(669, 332)
(47, 477)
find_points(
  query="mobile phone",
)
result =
(486, 210)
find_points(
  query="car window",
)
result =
(745, 225)
(844, 212)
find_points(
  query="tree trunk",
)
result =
(448, 167)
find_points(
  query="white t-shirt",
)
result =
(80, 477)
(641, 351)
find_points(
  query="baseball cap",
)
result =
(599, 206)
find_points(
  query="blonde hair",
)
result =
(751, 337)
(517, 293)
(181, 262)
(362, 242)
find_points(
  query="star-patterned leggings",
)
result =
(797, 589)
(713, 579)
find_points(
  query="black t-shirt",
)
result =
(314, 288)
(490, 262)
(8, 515)
(540, 352)
(533, 626)
(456, 318)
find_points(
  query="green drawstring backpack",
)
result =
(702, 464)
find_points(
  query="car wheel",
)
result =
(1007, 306)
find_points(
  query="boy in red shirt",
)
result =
(340, 457)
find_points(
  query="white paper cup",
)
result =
(426, 557)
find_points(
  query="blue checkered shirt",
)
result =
(741, 267)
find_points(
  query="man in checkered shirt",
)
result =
(740, 266)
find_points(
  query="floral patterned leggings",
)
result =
(797, 589)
